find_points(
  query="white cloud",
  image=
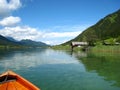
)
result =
(10, 21)
(7, 7)
(50, 37)
(55, 42)
(54, 38)
(61, 34)
(19, 32)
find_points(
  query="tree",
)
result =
(118, 39)
(110, 41)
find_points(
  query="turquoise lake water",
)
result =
(62, 70)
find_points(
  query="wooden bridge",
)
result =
(75, 44)
(79, 43)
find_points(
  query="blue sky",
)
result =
(51, 21)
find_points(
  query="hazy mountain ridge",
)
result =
(12, 42)
(28, 42)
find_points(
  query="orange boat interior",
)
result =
(13, 81)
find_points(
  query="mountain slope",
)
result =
(5, 41)
(11, 41)
(108, 27)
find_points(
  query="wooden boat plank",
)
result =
(10, 86)
(19, 86)
(3, 86)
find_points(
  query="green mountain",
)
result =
(9, 41)
(106, 28)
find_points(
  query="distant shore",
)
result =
(17, 47)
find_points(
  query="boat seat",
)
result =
(7, 78)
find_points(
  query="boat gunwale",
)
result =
(20, 80)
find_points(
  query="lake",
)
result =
(62, 70)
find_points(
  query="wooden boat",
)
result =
(12, 81)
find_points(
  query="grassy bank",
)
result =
(61, 47)
(103, 48)
(66, 47)
(99, 48)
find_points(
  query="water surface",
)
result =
(60, 70)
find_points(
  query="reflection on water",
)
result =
(32, 58)
(58, 70)
(105, 64)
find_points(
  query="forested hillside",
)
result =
(107, 29)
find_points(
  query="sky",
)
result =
(51, 21)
